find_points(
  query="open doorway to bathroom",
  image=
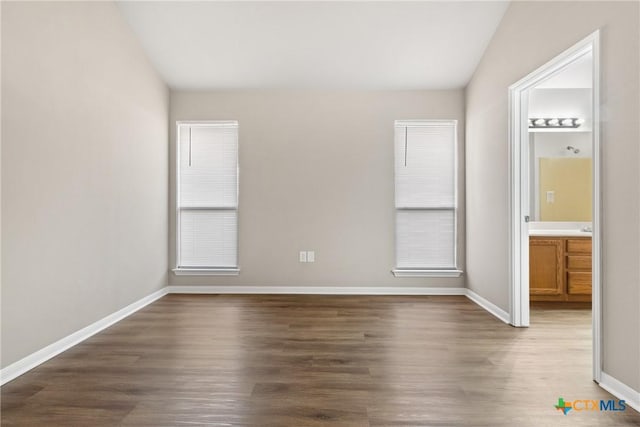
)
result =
(555, 195)
(560, 189)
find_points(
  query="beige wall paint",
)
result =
(84, 171)
(316, 173)
(532, 33)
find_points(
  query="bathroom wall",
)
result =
(561, 102)
(565, 189)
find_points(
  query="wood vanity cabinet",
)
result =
(545, 268)
(560, 268)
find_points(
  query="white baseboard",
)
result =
(316, 290)
(612, 385)
(344, 290)
(31, 361)
(34, 359)
(620, 390)
(489, 306)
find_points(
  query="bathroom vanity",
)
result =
(560, 265)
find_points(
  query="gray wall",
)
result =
(316, 173)
(532, 33)
(84, 171)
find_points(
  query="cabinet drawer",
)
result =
(579, 245)
(579, 282)
(579, 262)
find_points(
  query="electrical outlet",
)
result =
(303, 256)
(551, 196)
(311, 256)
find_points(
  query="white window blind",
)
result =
(425, 195)
(207, 199)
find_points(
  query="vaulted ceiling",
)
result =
(344, 45)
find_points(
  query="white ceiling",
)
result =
(574, 76)
(342, 45)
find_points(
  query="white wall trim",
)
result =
(403, 272)
(344, 290)
(518, 168)
(37, 358)
(519, 190)
(489, 306)
(607, 382)
(620, 390)
(316, 290)
(182, 271)
(34, 359)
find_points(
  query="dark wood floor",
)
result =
(317, 361)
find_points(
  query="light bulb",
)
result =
(553, 122)
(567, 122)
(578, 122)
(540, 122)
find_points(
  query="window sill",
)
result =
(206, 271)
(401, 272)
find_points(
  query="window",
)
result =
(207, 198)
(425, 198)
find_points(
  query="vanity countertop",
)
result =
(559, 233)
(559, 229)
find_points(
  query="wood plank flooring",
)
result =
(286, 360)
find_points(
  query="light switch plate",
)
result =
(311, 256)
(303, 256)
(551, 196)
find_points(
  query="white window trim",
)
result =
(401, 272)
(202, 271)
(455, 271)
(206, 271)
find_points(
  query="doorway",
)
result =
(523, 207)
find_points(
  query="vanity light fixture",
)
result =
(559, 122)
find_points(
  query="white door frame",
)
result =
(519, 189)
